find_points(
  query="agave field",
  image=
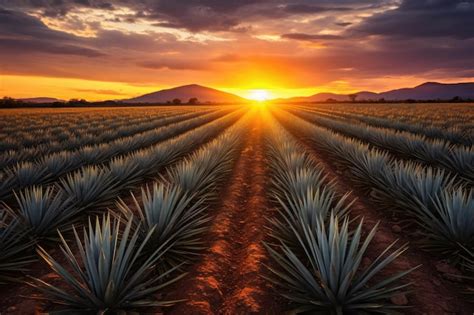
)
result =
(262, 209)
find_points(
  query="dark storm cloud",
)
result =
(56, 7)
(198, 15)
(21, 33)
(20, 46)
(424, 18)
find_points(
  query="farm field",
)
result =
(262, 209)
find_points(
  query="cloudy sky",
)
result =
(103, 49)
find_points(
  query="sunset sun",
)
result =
(259, 95)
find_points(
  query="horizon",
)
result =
(252, 95)
(99, 50)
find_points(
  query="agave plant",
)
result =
(370, 168)
(168, 215)
(200, 173)
(89, 186)
(43, 211)
(449, 223)
(7, 182)
(16, 251)
(59, 163)
(125, 170)
(108, 275)
(296, 183)
(329, 277)
(28, 173)
(408, 185)
(462, 161)
(306, 210)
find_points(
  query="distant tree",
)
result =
(382, 100)
(176, 101)
(193, 101)
(352, 97)
(456, 99)
(331, 100)
(77, 102)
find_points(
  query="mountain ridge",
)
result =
(424, 92)
(185, 92)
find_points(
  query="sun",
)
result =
(259, 95)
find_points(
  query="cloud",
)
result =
(300, 8)
(423, 18)
(24, 34)
(186, 64)
(103, 92)
(310, 37)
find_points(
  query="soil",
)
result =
(433, 294)
(228, 279)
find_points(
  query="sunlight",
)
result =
(259, 95)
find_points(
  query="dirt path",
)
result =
(433, 294)
(228, 277)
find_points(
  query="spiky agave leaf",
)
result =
(449, 223)
(16, 251)
(43, 210)
(108, 275)
(171, 216)
(334, 281)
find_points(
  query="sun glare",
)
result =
(259, 95)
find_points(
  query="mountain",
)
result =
(40, 100)
(185, 92)
(424, 92)
(432, 91)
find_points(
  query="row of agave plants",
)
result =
(41, 211)
(48, 135)
(52, 167)
(125, 258)
(457, 159)
(10, 157)
(443, 116)
(442, 210)
(319, 256)
(82, 138)
(453, 134)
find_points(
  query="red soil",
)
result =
(228, 278)
(433, 294)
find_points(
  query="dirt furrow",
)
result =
(228, 278)
(433, 294)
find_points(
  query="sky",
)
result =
(102, 49)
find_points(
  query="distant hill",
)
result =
(40, 100)
(185, 92)
(424, 92)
